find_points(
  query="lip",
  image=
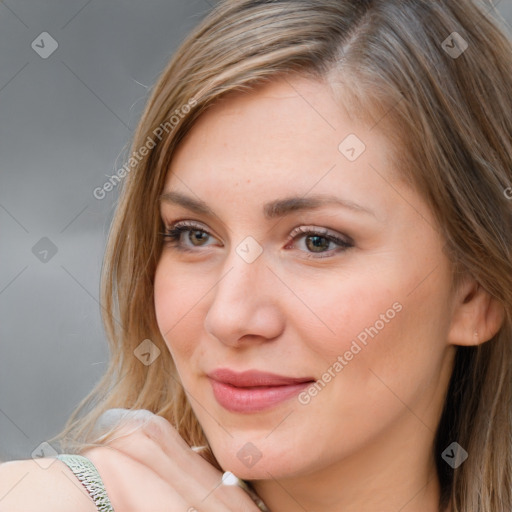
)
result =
(252, 390)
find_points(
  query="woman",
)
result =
(308, 282)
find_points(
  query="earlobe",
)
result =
(476, 317)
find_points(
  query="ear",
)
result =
(476, 316)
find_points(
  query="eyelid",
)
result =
(322, 232)
(343, 241)
(192, 224)
(176, 228)
(305, 229)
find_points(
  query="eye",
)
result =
(318, 241)
(197, 235)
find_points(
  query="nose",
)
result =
(245, 306)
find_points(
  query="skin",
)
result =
(145, 467)
(364, 442)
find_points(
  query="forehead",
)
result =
(289, 136)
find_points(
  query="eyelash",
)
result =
(172, 236)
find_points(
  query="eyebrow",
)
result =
(273, 209)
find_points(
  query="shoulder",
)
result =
(43, 485)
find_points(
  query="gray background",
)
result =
(65, 121)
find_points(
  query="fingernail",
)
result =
(117, 416)
(229, 478)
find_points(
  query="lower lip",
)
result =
(246, 400)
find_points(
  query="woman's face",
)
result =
(302, 256)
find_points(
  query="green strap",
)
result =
(88, 475)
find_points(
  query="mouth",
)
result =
(254, 391)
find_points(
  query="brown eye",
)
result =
(197, 235)
(317, 243)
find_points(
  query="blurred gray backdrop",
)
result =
(74, 77)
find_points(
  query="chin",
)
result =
(268, 461)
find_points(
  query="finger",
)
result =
(112, 419)
(159, 431)
(134, 487)
(235, 497)
(164, 434)
(207, 454)
(159, 446)
(189, 485)
(178, 464)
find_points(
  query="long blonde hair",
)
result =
(445, 101)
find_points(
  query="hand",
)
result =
(147, 467)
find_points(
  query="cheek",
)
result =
(387, 352)
(178, 310)
(395, 347)
(348, 318)
(389, 327)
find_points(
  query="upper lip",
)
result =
(252, 378)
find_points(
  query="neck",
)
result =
(395, 472)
